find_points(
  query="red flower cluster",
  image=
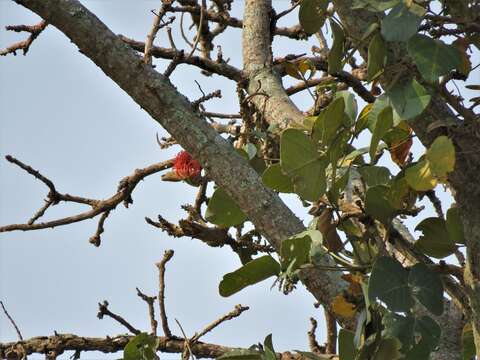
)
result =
(185, 166)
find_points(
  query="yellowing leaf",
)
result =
(342, 307)
(441, 156)
(420, 177)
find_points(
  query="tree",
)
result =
(385, 289)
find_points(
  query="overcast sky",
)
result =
(60, 114)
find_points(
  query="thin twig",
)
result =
(150, 300)
(19, 334)
(199, 30)
(161, 292)
(103, 310)
(331, 332)
(96, 238)
(236, 312)
(24, 45)
(187, 343)
(312, 340)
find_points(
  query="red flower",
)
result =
(185, 167)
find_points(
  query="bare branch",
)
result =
(312, 340)
(161, 292)
(127, 185)
(236, 312)
(19, 334)
(103, 310)
(150, 300)
(153, 32)
(331, 346)
(24, 45)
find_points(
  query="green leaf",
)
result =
(336, 53)
(374, 5)
(433, 58)
(399, 327)
(251, 273)
(408, 99)
(399, 193)
(346, 348)
(420, 177)
(389, 282)
(241, 354)
(388, 349)
(383, 124)
(375, 175)
(377, 57)
(441, 156)
(141, 347)
(301, 162)
(427, 288)
(435, 241)
(276, 180)
(312, 15)
(468, 342)
(329, 121)
(296, 250)
(250, 149)
(223, 211)
(402, 22)
(351, 106)
(377, 204)
(429, 331)
(268, 348)
(455, 226)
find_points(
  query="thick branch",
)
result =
(69, 342)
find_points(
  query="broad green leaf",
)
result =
(389, 283)
(241, 354)
(362, 121)
(374, 5)
(468, 342)
(301, 162)
(250, 149)
(429, 331)
(375, 175)
(268, 349)
(377, 57)
(433, 58)
(402, 22)
(377, 204)
(251, 273)
(435, 241)
(336, 52)
(382, 125)
(399, 327)
(441, 156)
(455, 226)
(346, 348)
(427, 287)
(399, 193)
(408, 99)
(388, 349)
(338, 147)
(141, 347)
(420, 177)
(296, 249)
(317, 251)
(328, 122)
(351, 107)
(223, 211)
(312, 15)
(378, 106)
(276, 180)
